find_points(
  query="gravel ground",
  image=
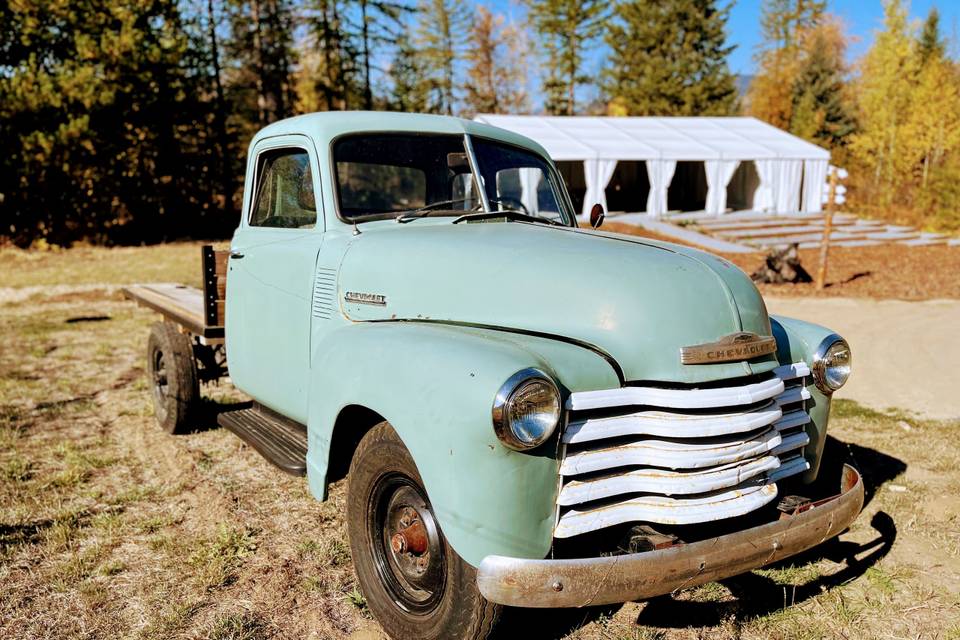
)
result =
(904, 353)
(883, 272)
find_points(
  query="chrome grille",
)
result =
(680, 456)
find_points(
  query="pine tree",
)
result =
(931, 45)
(514, 95)
(779, 55)
(495, 80)
(441, 38)
(410, 86)
(227, 166)
(566, 29)
(105, 132)
(820, 110)
(261, 46)
(669, 58)
(327, 79)
(379, 23)
(782, 21)
(933, 123)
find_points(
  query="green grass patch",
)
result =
(237, 626)
(356, 598)
(78, 567)
(77, 464)
(217, 559)
(17, 469)
(337, 552)
(881, 580)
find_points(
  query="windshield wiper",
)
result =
(414, 214)
(512, 214)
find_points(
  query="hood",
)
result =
(638, 301)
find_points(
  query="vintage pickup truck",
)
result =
(528, 413)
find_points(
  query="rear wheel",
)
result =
(414, 582)
(172, 373)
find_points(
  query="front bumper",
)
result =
(593, 581)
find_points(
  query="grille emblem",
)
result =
(736, 346)
(366, 298)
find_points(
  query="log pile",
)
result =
(782, 266)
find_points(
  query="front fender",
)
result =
(436, 384)
(797, 341)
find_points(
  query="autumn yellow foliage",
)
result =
(909, 117)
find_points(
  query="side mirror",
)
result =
(596, 216)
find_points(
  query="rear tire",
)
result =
(414, 582)
(172, 373)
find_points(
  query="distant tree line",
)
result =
(127, 121)
(892, 119)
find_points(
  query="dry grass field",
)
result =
(111, 529)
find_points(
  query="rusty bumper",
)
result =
(593, 581)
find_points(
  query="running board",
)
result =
(283, 442)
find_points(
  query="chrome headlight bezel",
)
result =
(502, 408)
(821, 363)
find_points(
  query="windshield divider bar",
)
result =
(478, 179)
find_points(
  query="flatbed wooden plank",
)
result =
(176, 302)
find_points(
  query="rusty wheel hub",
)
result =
(411, 554)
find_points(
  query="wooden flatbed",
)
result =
(195, 311)
(177, 303)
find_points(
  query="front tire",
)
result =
(172, 374)
(414, 582)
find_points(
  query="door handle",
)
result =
(235, 255)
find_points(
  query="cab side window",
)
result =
(284, 196)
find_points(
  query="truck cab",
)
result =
(528, 413)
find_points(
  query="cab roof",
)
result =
(325, 126)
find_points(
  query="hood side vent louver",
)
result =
(324, 293)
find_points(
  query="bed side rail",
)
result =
(214, 285)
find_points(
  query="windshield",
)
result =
(382, 175)
(520, 180)
(387, 175)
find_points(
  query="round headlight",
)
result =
(526, 410)
(831, 365)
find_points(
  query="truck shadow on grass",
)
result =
(753, 594)
(756, 595)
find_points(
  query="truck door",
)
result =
(270, 277)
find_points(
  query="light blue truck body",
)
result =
(466, 306)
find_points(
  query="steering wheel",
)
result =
(511, 201)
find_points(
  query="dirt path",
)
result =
(905, 354)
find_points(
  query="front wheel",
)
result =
(414, 582)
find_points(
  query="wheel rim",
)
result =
(160, 383)
(407, 547)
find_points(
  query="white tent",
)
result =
(783, 162)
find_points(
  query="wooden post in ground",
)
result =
(827, 229)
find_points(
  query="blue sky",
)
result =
(861, 19)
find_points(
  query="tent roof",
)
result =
(636, 138)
